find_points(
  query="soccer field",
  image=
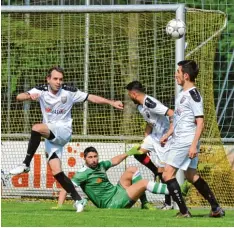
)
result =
(30, 214)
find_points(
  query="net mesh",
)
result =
(122, 48)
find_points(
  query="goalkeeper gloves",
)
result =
(134, 150)
(80, 204)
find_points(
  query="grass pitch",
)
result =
(16, 213)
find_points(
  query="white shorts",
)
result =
(159, 154)
(62, 137)
(179, 150)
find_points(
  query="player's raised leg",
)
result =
(132, 176)
(142, 185)
(135, 191)
(38, 130)
(146, 147)
(145, 160)
(140, 153)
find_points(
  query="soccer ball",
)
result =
(176, 28)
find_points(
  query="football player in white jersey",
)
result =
(158, 119)
(56, 101)
(188, 124)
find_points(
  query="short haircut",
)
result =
(57, 68)
(135, 85)
(190, 67)
(89, 149)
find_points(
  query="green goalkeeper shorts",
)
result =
(120, 199)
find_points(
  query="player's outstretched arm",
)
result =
(118, 159)
(27, 96)
(101, 100)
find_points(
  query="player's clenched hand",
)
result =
(34, 96)
(163, 140)
(192, 152)
(118, 105)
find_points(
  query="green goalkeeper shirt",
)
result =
(95, 183)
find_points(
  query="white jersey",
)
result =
(154, 113)
(57, 107)
(189, 105)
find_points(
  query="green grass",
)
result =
(28, 214)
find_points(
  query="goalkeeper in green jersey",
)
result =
(93, 180)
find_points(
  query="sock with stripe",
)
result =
(157, 188)
(135, 178)
(167, 197)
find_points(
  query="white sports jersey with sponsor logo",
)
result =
(189, 105)
(154, 113)
(57, 107)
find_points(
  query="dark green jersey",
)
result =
(95, 183)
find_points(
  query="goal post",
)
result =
(125, 43)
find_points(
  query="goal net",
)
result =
(101, 53)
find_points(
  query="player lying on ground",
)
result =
(93, 180)
(188, 124)
(159, 123)
(56, 101)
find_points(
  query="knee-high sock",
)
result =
(157, 188)
(135, 178)
(175, 192)
(145, 160)
(203, 188)
(67, 185)
(33, 144)
(167, 197)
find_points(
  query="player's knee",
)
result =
(36, 127)
(191, 177)
(160, 169)
(132, 169)
(168, 176)
(164, 177)
(144, 183)
(55, 171)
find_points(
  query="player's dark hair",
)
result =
(135, 85)
(57, 68)
(89, 149)
(190, 67)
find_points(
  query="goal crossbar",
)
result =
(92, 9)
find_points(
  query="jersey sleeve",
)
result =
(34, 90)
(79, 178)
(80, 96)
(106, 164)
(197, 108)
(156, 106)
(196, 103)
